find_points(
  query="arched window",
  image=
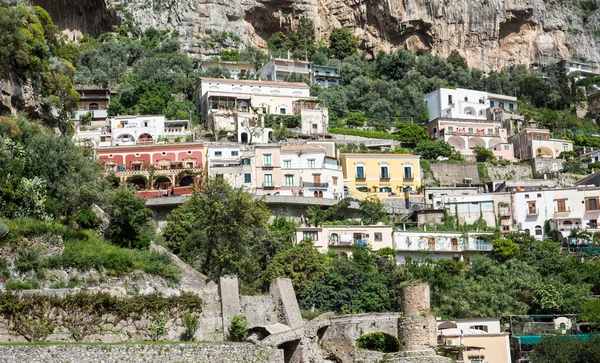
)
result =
(538, 230)
(320, 194)
(334, 239)
(93, 106)
(316, 194)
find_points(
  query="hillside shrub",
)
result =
(380, 342)
(238, 328)
(87, 219)
(17, 285)
(364, 133)
(4, 231)
(191, 323)
(34, 317)
(29, 228)
(95, 253)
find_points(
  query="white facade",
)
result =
(325, 76)
(278, 68)
(465, 104)
(492, 207)
(307, 167)
(236, 69)
(129, 130)
(341, 238)
(315, 121)
(439, 245)
(234, 164)
(226, 103)
(565, 208)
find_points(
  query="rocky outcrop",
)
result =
(491, 34)
(18, 96)
(78, 17)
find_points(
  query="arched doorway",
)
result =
(186, 180)
(125, 138)
(162, 182)
(138, 181)
(476, 141)
(457, 142)
(244, 138)
(470, 111)
(145, 137)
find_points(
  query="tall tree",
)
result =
(219, 230)
(342, 43)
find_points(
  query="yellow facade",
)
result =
(381, 175)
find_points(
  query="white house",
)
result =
(129, 130)
(325, 76)
(277, 69)
(491, 207)
(341, 238)
(308, 168)
(226, 105)
(565, 209)
(479, 340)
(234, 163)
(458, 246)
(132, 130)
(465, 103)
(236, 69)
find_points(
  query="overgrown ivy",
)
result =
(35, 317)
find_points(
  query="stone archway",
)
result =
(162, 182)
(186, 180)
(476, 141)
(457, 142)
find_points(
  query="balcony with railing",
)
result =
(292, 69)
(268, 186)
(408, 179)
(123, 171)
(384, 175)
(504, 211)
(532, 211)
(361, 176)
(562, 211)
(315, 185)
(465, 132)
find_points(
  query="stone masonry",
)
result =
(141, 353)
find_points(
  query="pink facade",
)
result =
(174, 164)
(465, 135)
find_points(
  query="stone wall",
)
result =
(451, 173)
(510, 172)
(138, 353)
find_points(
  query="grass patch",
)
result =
(29, 228)
(17, 285)
(364, 133)
(89, 251)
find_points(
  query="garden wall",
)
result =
(164, 353)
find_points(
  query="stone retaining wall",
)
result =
(138, 353)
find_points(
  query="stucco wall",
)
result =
(165, 353)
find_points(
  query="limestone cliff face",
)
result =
(491, 34)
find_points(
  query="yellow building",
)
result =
(381, 175)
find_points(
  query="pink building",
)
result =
(465, 135)
(175, 165)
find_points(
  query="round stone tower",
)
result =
(417, 327)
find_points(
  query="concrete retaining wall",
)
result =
(138, 353)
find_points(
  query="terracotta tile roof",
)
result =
(259, 83)
(302, 148)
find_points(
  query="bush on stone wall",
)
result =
(380, 342)
(238, 330)
(35, 317)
